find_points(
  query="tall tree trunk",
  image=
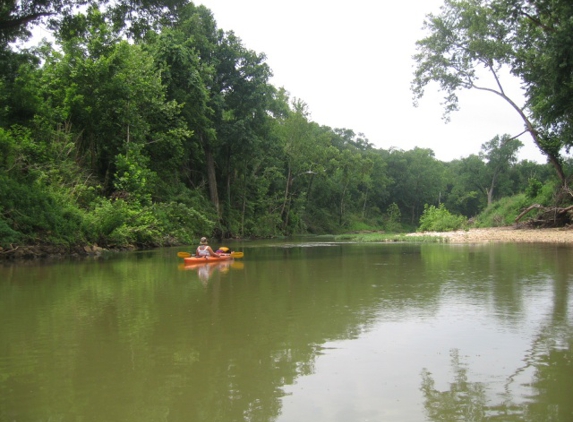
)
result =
(212, 178)
(364, 204)
(489, 193)
(285, 200)
(244, 206)
(309, 187)
(229, 177)
(342, 205)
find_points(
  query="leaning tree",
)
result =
(469, 37)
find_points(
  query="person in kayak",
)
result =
(204, 250)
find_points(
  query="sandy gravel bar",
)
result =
(506, 234)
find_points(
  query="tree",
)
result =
(476, 179)
(527, 172)
(112, 95)
(224, 90)
(375, 186)
(359, 173)
(465, 193)
(350, 169)
(470, 35)
(301, 150)
(499, 155)
(243, 125)
(17, 18)
(417, 179)
(177, 56)
(541, 37)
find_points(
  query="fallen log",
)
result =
(549, 216)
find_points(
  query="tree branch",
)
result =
(22, 20)
(536, 21)
(496, 78)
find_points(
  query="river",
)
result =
(296, 330)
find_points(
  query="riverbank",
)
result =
(505, 234)
(563, 235)
(52, 251)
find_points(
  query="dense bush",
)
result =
(7, 235)
(119, 223)
(180, 223)
(33, 214)
(545, 195)
(533, 189)
(439, 219)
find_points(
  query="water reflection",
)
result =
(205, 270)
(549, 398)
(540, 388)
(311, 333)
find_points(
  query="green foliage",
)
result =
(266, 226)
(18, 18)
(8, 236)
(534, 187)
(547, 195)
(103, 219)
(7, 150)
(140, 230)
(32, 213)
(532, 39)
(542, 43)
(392, 218)
(119, 223)
(542, 194)
(439, 219)
(359, 225)
(133, 175)
(184, 127)
(502, 212)
(418, 178)
(321, 221)
(180, 223)
(20, 151)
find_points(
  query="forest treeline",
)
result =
(144, 124)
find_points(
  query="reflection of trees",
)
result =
(553, 386)
(140, 346)
(464, 401)
(125, 343)
(549, 400)
(550, 358)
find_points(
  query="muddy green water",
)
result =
(295, 331)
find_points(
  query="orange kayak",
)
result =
(202, 259)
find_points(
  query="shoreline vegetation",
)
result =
(508, 234)
(126, 133)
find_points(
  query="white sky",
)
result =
(351, 62)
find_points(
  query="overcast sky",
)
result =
(351, 63)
